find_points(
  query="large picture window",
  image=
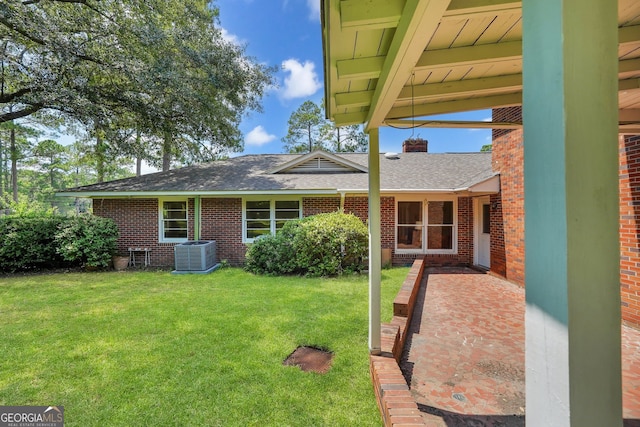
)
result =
(173, 220)
(426, 226)
(268, 216)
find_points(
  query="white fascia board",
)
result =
(147, 194)
(488, 186)
(399, 190)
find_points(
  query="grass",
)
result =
(151, 348)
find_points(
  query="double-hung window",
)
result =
(262, 217)
(440, 226)
(173, 221)
(409, 231)
(426, 226)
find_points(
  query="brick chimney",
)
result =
(415, 145)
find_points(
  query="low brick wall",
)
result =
(397, 406)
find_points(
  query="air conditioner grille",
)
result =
(197, 255)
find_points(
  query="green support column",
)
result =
(573, 367)
(375, 243)
(196, 218)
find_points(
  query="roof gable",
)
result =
(319, 162)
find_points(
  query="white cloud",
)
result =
(258, 137)
(302, 80)
(314, 9)
(232, 38)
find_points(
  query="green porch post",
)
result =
(573, 367)
(197, 210)
(375, 243)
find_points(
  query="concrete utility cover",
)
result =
(310, 359)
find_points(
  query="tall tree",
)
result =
(345, 139)
(17, 148)
(309, 130)
(305, 132)
(51, 157)
(96, 60)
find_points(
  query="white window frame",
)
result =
(425, 224)
(161, 237)
(272, 212)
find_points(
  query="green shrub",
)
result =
(327, 244)
(87, 240)
(46, 241)
(28, 243)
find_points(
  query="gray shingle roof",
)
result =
(252, 173)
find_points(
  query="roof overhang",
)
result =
(390, 60)
(488, 186)
(160, 194)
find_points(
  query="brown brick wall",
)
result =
(507, 218)
(137, 221)
(498, 259)
(359, 206)
(630, 228)
(221, 220)
(316, 205)
(388, 222)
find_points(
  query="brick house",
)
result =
(507, 232)
(431, 204)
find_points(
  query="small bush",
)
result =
(327, 244)
(36, 242)
(28, 243)
(87, 240)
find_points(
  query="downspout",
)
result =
(375, 244)
(196, 218)
(342, 196)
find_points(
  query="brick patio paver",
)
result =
(464, 356)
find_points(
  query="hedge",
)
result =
(54, 241)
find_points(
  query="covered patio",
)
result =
(464, 355)
(574, 66)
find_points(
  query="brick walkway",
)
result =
(464, 356)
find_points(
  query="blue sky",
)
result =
(287, 34)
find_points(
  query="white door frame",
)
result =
(477, 227)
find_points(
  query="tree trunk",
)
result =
(138, 154)
(2, 172)
(100, 149)
(14, 164)
(52, 176)
(6, 172)
(166, 151)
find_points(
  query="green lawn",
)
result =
(151, 348)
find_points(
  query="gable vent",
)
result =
(319, 165)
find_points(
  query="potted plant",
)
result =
(120, 262)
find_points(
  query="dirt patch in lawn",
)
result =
(310, 359)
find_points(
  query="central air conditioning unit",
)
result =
(195, 255)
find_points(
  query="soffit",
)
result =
(388, 60)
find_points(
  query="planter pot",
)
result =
(120, 262)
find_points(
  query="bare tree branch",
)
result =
(28, 2)
(9, 97)
(27, 111)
